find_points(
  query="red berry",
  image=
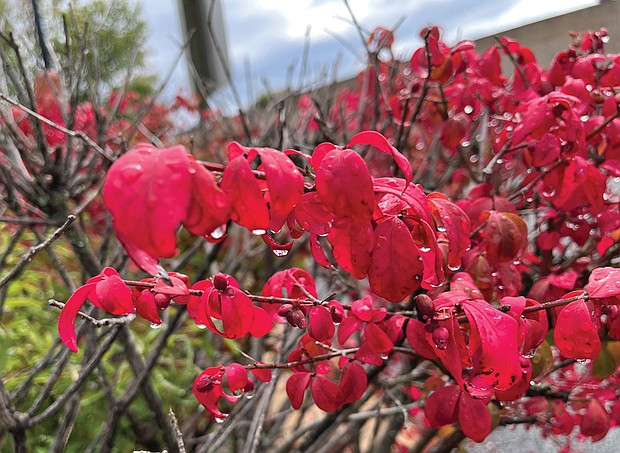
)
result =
(162, 301)
(220, 281)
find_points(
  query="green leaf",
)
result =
(604, 365)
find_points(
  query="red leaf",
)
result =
(237, 312)
(494, 337)
(209, 207)
(604, 282)
(146, 306)
(353, 383)
(454, 222)
(505, 237)
(344, 185)
(247, 201)
(377, 339)
(326, 394)
(346, 328)
(321, 326)
(66, 329)
(141, 258)
(353, 244)
(176, 287)
(441, 407)
(575, 333)
(313, 215)
(417, 339)
(262, 323)
(317, 252)
(474, 418)
(596, 421)
(263, 374)
(381, 143)
(237, 377)
(147, 191)
(285, 183)
(111, 294)
(296, 386)
(395, 270)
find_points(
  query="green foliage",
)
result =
(100, 41)
(28, 331)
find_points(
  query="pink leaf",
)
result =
(442, 406)
(66, 329)
(321, 326)
(353, 245)
(237, 377)
(575, 333)
(313, 215)
(285, 183)
(209, 206)
(604, 282)
(147, 191)
(377, 339)
(494, 337)
(353, 383)
(326, 394)
(296, 386)
(344, 185)
(380, 142)
(248, 205)
(395, 270)
(474, 418)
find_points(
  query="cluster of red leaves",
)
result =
(552, 134)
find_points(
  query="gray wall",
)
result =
(547, 37)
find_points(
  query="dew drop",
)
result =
(155, 325)
(219, 420)
(280, 252)
(529, 354)
(249, 395)
(583, 361)
(218, 233)
(468, 109)
(131, 173)
(258, 232)
(425, 249)
(201, 326)
(454, 268)
(384, 356)
(441, 229)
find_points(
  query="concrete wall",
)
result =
(548, 36)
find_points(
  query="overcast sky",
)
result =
(267, 36)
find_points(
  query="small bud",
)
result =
(426, 308)
(220, 282)
(162, 301)
(284, 310)
(336, 315)
(440, 337)
(299, 319)
(204, 384)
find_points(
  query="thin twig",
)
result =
(78, 134)
(177, 431)
(36, 249)
(126, 319)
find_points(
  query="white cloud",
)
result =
(271, 33)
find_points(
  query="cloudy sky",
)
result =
(266, 37)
